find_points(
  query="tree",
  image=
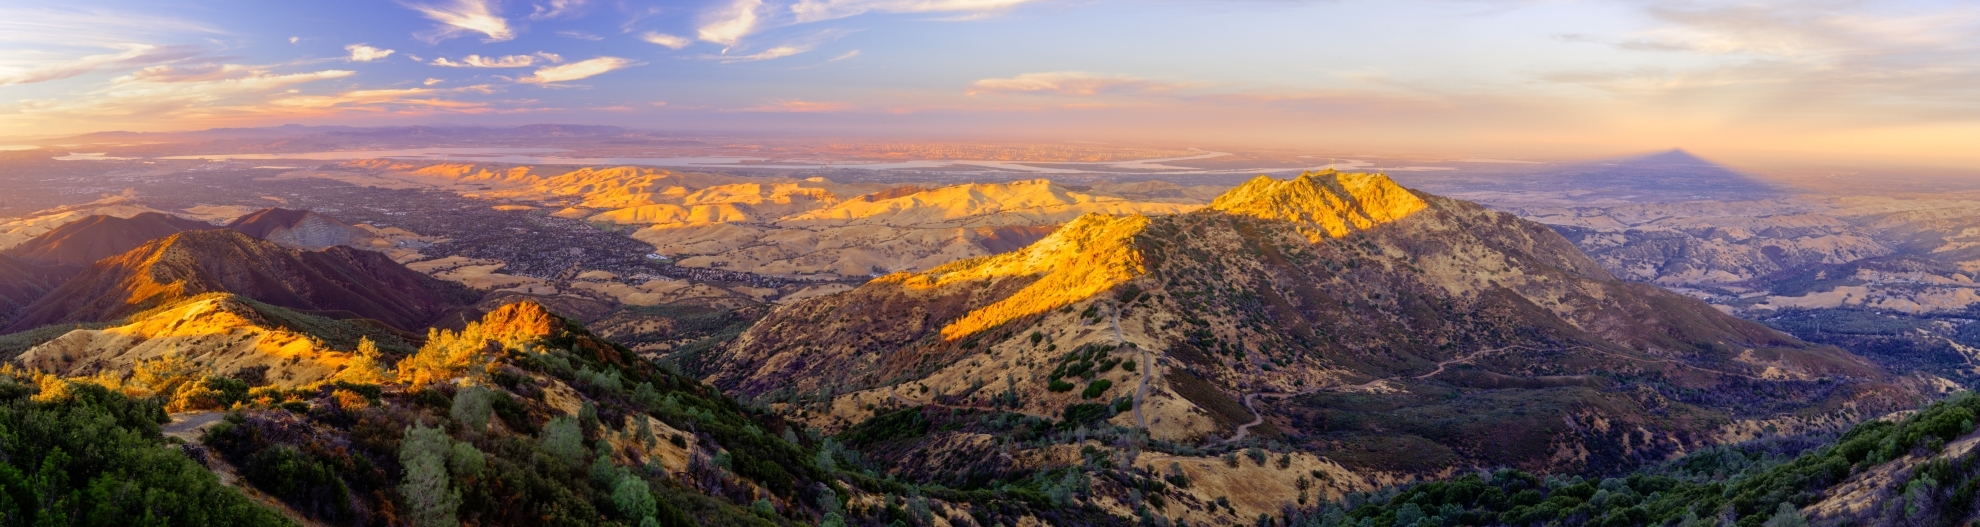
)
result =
(1786, 516)
(429, 500)
(634, 498)
(472, 406)
(562, 438)
(367, 366)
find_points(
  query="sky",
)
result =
(1887, 80)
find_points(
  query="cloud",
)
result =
(576, 70)
(729, 25)
(666, 40)
(365, 53)
(293, 40)
(797, 106)
(197, 73)
(845, 56)
(431, 81)
(772, 53)
(580, 35)
(420, 98)
(818, 10)
(556, 9)
(168, 94)
(507, 61)
(133, 55)
(1069, 83)
(462, 17)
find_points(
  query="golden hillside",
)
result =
(223, 333)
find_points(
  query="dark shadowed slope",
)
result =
(87, 240)
(339, 279)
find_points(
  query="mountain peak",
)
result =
(1326, 204)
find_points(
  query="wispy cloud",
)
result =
(132, 55)
(423, 98)
(194, 73)
(797, 106)
(463, 17)
(582, 69)
(557, 9)
(366, 53)
(506, 61)
(665, 40)
(728, 25)
(768, 54)
(845, 56)
(1070, 83)
(170, 93)
(818, 10)
(580, 35)
(730, 22)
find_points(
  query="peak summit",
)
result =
(1327, 204)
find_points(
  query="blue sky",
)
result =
(1890, 79)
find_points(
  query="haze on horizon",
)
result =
(1741, 80)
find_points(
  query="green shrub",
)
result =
(1096, 388)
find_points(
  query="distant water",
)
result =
(99, 156)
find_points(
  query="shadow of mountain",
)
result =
(1662, 177)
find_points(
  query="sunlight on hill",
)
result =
(1326, 204)
(1086, 257)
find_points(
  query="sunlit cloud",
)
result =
(817, 10)
(665, 40)
(797, 106)
(1069, 83)
(431, 81)
(580, 35)
(845, 56)
(463, 17)
(132, 55)
(582, 69)
(365, 53)
(507, 61)
(729, 25)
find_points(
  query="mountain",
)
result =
(341, 280)
(1387, 330)
(301, 228)
(93, 238)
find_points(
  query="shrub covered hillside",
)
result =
(527, 418)
(80, 454)
(1922, 470)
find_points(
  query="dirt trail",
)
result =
(1147, 370)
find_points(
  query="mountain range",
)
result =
(1389, 329)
